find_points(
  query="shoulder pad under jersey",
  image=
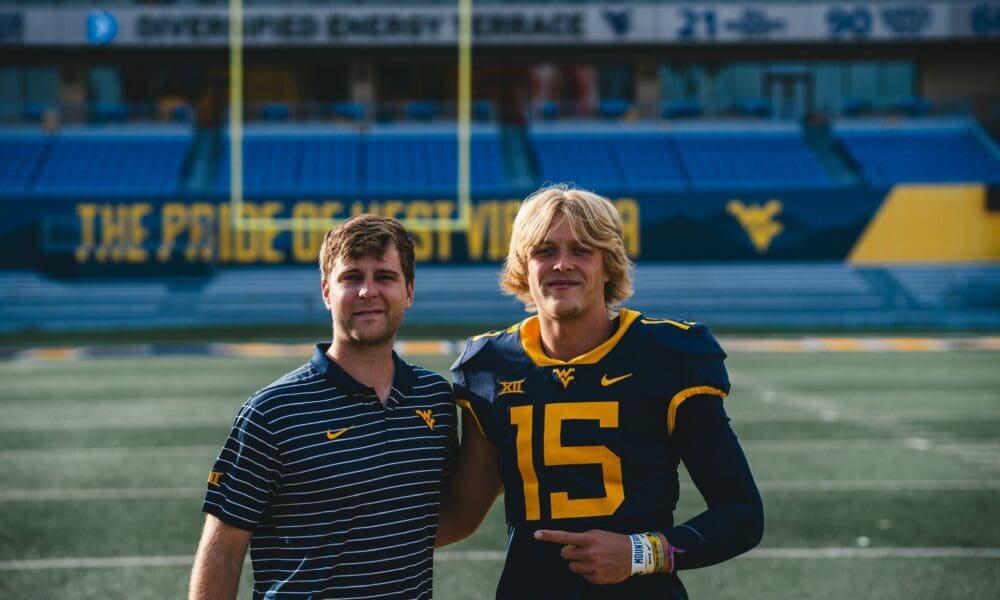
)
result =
(682, 337)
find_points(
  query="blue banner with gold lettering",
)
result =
(82, 236)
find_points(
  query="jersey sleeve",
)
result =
(471, 386)
(246, 473)
(697, 361)
(733, 521)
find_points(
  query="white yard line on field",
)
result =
(979, 453)
(100, 494)
(104, 451)
(115, 562)
(103, 425)
(855, 485)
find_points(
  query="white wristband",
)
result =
(642, 555)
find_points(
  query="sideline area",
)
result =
(451, 348)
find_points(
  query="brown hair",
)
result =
(366, 235)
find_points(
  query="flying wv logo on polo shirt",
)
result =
(428, 417)
(565, 376)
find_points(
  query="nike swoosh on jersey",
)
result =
(606, 381)
(332, 436)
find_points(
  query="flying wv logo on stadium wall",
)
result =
(758, 221)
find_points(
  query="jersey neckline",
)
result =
(531, 342)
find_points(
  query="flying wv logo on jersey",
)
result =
(565, 376)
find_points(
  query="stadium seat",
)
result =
(422, 111)
(606, 160)
(349, 111)
(182, 113)
(548, 110)
(108, 112)
(20, 158)
(853, 107)
(275, 111)
(681, 109)
(910, 152)
(412, 162)
(613, 109)
(114, 161)
(912, 107)
(296, 161)
(482, 111)
(34, 111)
(734, 159)
(754, 107)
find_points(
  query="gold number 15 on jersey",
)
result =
(555, 454)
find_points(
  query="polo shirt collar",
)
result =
(403, 377)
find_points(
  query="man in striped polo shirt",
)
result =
(332, 474)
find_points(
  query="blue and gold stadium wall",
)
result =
(906, 223)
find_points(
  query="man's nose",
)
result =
(563, 262)
(368, 289)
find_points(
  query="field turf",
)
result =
(880, 474)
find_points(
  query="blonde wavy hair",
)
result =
(593, 221)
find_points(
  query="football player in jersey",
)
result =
(581, 415)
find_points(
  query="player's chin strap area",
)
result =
(650, 554)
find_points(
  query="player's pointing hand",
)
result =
(601, 557)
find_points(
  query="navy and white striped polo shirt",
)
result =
(341, 492)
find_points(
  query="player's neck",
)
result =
(369, 365)
(565, 339)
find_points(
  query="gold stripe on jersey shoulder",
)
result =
(510, 329)
(685, 325)
(683, 395)
(468, 405)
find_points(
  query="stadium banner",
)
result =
(185, 26)
(90, 236)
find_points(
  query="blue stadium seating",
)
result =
(422, 110)
(349, 111)
(276, 111)
(393, 159)
(585, 159)
(132, 161)
(922, 151)
(749, 158)
(21, 154)
(482, 111)
(607, 159)
(613, 109)
(297, 160)
(407, 161)
(108, 112)
(640, 159)
(754, 107)
(681, 109)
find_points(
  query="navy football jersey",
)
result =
(589, 443)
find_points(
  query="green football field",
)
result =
(880, 474)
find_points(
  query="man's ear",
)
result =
(409, 294)
(324, 287)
